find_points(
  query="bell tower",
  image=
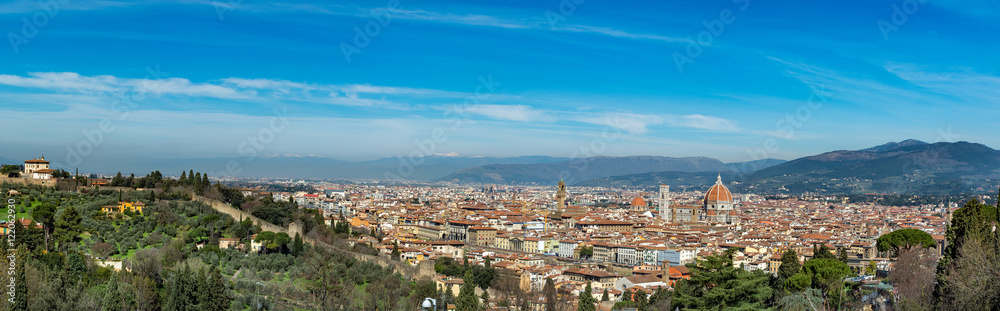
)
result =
(663, 200)
(561, 196)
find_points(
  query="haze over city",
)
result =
(196, 79)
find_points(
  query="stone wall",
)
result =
(423, 271)
(239, 215)
(30, 181)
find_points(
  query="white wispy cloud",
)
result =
(639, 123)
(533, 24)
(963, 83)
(231, 89)
(538, 23)
(74, 82)
(520, 113)
(698, 121)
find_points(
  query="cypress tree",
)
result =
(21, 292)
(220, 298)
(467, 300)
(587, 300)
(190, 176)
(202, 291)
(549, 291)
(789, 265)
(112, 298)
(298, 247)
(605, 297)
(183, 178)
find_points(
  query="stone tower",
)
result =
(561, 197)
(664, 202)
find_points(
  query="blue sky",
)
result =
(188, 79)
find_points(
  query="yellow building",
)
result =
(135, 207)
(502, 242)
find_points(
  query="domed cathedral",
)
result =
(718, 204)
(716, 207)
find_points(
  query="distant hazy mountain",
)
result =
(894, 145)
(907, 167)
(576, 170)
(7, 161)
(678, 181)
(753, 166)
(916, 160)
(910, 166)
(427, 168)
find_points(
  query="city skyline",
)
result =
(198, 79)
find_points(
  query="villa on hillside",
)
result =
(135, 207)
(37, 168)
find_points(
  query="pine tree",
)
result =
(467, 300)
(68, 227)
(587, 302)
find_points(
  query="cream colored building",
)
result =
(37, 169)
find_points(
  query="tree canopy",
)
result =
(716, 284)
(903, 239)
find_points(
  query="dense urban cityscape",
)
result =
(573, 242)
(515, 155)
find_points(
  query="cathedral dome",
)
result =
(638, 201)
(718, 192)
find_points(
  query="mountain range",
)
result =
(425, 168)
(909, 166)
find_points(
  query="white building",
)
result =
(627, 255)
(37, 168)
(566, 248)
